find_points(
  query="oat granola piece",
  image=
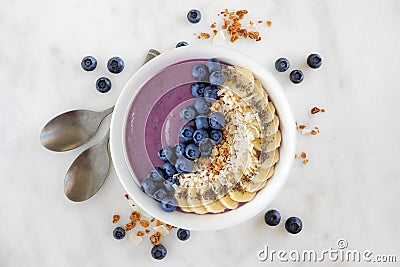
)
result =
(144, 223)
(140, 233)
(135, 216)
(155, 238)
(129, 226)
(116, 218)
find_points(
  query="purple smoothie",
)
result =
(153, 119)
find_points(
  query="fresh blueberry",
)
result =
(272, 217)
(148, 186)
(180, 149)
(168, 184)
(157, 174)
(210, 93)
(167, 153)
(216, 136)
(186, 133)
(217, 120)
(314, 61)
(119, 233)
(206, 146)
(89, 63)
(201, 122)
(115, 65)
(169, 169)
(202, 106)
(213, 64)
(192, 152)
(282, 64)
(194, 16)
(160, 194)
(103, 84)
(293, 225)
(183, 165)
(168, 204)
(217, 78)
(183, 234)
(296, 76)
(182, 43)
(158, 252)
(188, 113)
(199, 135)
(197, 89)
(200, 72)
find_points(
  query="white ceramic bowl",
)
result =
(207, 221)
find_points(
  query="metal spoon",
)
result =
(72, 129)
(89, 170)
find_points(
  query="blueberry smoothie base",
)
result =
(153, 119)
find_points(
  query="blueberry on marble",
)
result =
(199, 135)
(183, 234)
(272, 217)
(184, 165)
(217, 120)
(157, 174)
(216, 136)
(169, 169)
(314, 61)
(296, 76)
(158, 252)
(103, 84)
(201, 122)
(210, 93)
(282, 64)
(149, 186)
(194, 16)
(293, 225)
(186, 133)
(213, 64)
(167, 153)
(88, 63)
(181, 43)
(180, 149)
(168, 204)
(119, 233)
(202, 106)
(115, 65)
(206, 146)
(192, 151)
(188, 113)
(200, 72)
(217, 78)
(197, 89)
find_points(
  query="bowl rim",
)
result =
(190, 221)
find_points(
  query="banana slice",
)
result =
(194, 202)
(241, 195)
(239, 80)
(228, 202)
(210, 201)
(181, 200)
(215, 207)
(272, 142)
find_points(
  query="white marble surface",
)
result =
(348, 190)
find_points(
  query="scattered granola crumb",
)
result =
(296, 156)
(315, 110)
(215, 32)
(147, 231)
(155, 239)
(126, 196)
(213, 25)
(260, 21)
(144, 223)
(204, 35)
(130, 226)
(303, 155)
(116, 218)
(152, 219)
(140, 233)
(158, 223)
(305, 161)
(135, 216)
(269, 23)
